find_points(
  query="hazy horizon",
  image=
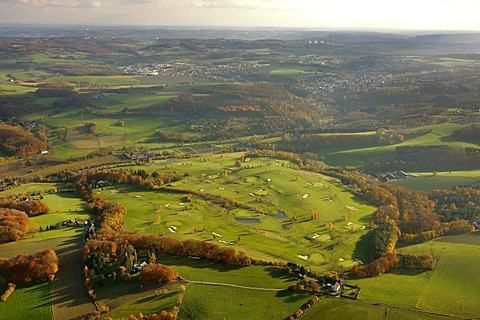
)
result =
(369, 15)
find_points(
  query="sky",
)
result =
(320, 14)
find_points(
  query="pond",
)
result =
(248, 220)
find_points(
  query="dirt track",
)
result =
(69, 297)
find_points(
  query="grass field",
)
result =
(128, 298)
(28, 302)
(210, 271)
(344, 309)
(236, 303)
(31, 187)
(451, 288)
(441, 134)
(97, 80)
(441, 180)
(454, 287)
(63, 207)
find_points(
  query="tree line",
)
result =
(310, 142)
(13, 224)
(469, 133)
(29, 206)
(431, 158)
(17, 141)
(22, 268)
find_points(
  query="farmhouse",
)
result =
(336, 287)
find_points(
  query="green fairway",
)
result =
(218, 302)
(267, 184)
(28, 302)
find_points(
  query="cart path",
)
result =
(69, 295)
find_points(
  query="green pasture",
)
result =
(440, 180)
(318, 243)
(451, 288)
(117, 102)
(441, 134)
(70, 139)
(11, 249)
(218, 302)
(28, 302)
(401, 288)
(127, 298)
(211, 271)
(63, 207)
(33, 187)
(96, 80)
(454, 286)
(22, 75)
(345, 309)
(15, 89)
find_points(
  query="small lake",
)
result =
(280, 215)
(248, 220)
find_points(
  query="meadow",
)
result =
(63, 206)
(448, 289)
(28, 302)
(36, 301)
(124, 299)
(344, 309)
(440, 180)
(238, 303)
(354, 157)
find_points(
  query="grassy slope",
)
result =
(235, 303)
(442, 180)
(28, 302)
(252, 276)
(452, 287)
(344, 309)
(63, 206)
(441, 135)
(455, 285)
(128, 298)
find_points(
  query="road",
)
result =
(69, 295)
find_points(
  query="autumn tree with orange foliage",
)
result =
(30, 207)
(13, 224)
(158, 272)
(41, 266)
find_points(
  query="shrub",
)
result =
(8, 292)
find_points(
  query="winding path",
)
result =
(232, 285)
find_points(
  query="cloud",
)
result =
(217, 4)
(17, 4)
